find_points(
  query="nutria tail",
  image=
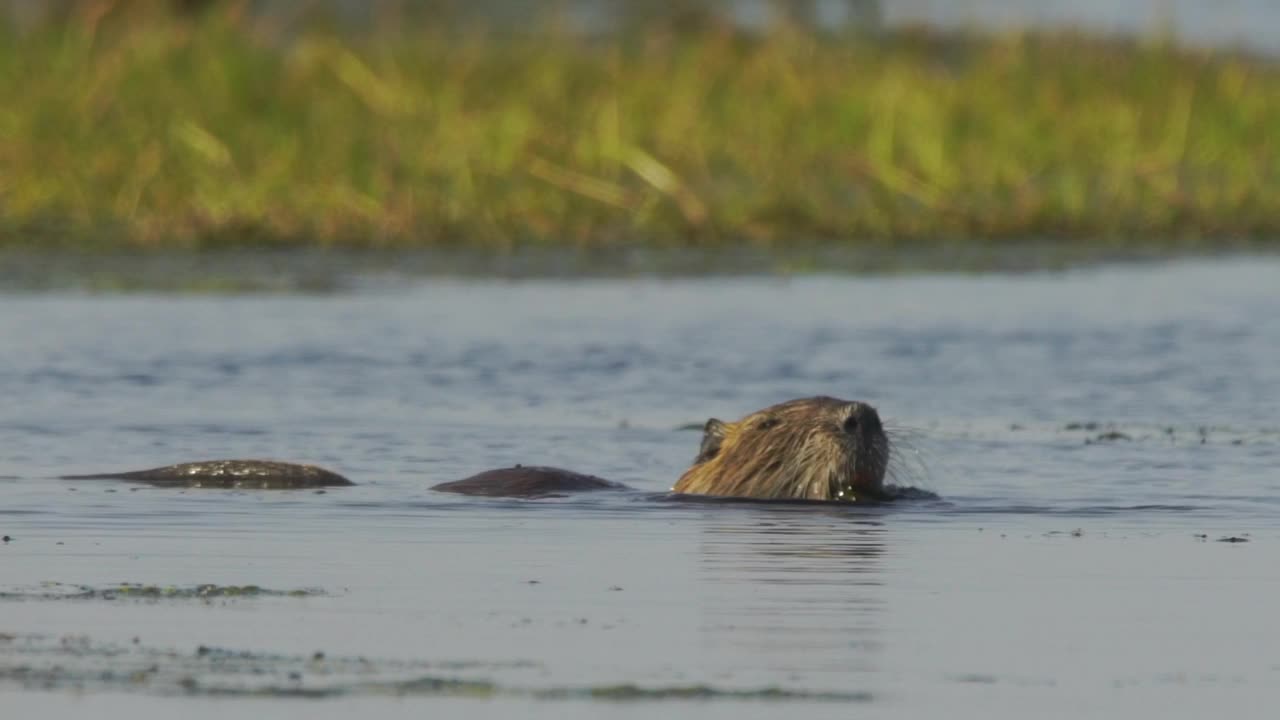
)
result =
(527, 482)
(259, 474)
(819, 448)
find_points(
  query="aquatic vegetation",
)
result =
(140, 128)
(81, 664)
(139, 591)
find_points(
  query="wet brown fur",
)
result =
(819, 448)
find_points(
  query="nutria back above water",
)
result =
(527, 482)
(238, 474)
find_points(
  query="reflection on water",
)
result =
(798, 587)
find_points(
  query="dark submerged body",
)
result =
(235, 474)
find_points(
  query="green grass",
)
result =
(156, 131)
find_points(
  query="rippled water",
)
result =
(1095, 436)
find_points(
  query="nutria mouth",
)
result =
(819, 448)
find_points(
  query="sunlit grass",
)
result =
(153, 130)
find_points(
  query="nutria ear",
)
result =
(712, 435)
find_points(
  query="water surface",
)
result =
(1096, 436)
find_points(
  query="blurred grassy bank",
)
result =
(139, 128)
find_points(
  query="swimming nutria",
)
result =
(259, 474)
(818, 448)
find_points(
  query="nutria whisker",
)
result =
(908, 465)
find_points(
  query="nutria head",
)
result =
(819, 448)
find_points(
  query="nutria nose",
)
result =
(862, 418)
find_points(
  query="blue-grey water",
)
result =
(1096, 437)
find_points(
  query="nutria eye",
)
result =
(851, 424)
(768, 423)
